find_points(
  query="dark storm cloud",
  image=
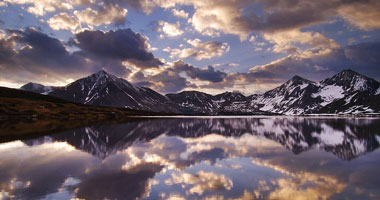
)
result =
(208, 74)
(34, 52)
(28, 55)
(122, 44)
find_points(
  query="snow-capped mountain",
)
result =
(37, 88)
(103, 89)
(302, 96)
(194, 102)
(293, 97)
(345, 93)
(227, 103)
(350, 81)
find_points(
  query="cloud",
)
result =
(108, 184)
(29, 55)
(208, 74)
(122, 44)
(237, 18)
(63, 21)
(170, 30)
(201, 181)
(166, 81)
(41, 7)
(230, 17)
(174, 78)
(285, 41)
(146, 6)
(211, 17)
(200, 50)
(362, 57)
(180, 13)
(362, 15)
(103, 15)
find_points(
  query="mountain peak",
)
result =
(31, 84)
(101, 72)
(297, 80)
(349, 71)
(348, 74)
(352, 81)
(36, 87)
(296, 77)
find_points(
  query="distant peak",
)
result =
(349, 71)
(297, 80)
(32, 84)
(296, 77)
(102, 71)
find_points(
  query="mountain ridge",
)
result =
(296, 96)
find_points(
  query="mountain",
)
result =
(194, 102)
(227, 103)
(344, 93)
(103, 89)
(302, 96)
(292, 97)
(37, 88)
(349, 81)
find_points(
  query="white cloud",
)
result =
(63, 21)
(287, 41)
(180, 13)
(201, 181)
(104, 15)
(171, 30)
(200, 50)
(41, 7)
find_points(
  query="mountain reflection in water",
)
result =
(199, 158)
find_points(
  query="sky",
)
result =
(170, 46)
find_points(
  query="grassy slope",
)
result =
(16, 103)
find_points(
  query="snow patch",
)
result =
(330, 93)
(378, 91)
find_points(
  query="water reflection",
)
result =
(201, 158)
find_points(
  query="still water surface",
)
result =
(199, 158)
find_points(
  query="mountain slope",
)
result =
(227, 103)
(292, 97)
(358, 102)
(194, 102)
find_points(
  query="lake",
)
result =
(198, 158)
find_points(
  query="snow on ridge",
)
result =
(378, 91)
(330, 93)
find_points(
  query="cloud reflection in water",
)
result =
(255, 158)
